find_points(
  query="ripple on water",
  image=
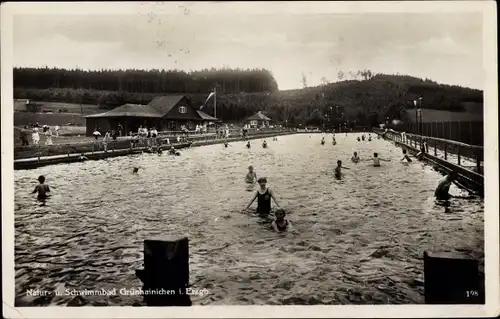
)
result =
(359, 240)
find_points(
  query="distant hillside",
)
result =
(367, 101)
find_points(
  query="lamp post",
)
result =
(420, 115)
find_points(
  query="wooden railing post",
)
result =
(445, 150)
(435, 148)
(166, 267)
(458, 154)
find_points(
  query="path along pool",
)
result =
(360, 240)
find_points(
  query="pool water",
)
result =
(358, 240)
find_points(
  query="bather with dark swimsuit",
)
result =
(263, 203)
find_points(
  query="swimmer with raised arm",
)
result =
(251, 176)
(281, 224)
(263, 195)
(376, 160)
(338, 170)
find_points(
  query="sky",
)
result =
(446, 47)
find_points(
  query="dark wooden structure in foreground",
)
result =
(452, 278)
(166, 268)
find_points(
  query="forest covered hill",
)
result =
(365, 98)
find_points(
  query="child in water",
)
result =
(248, 144)
(338, 170)
(42, 189)
(355, 158)
(251, 176)
(323, 140)
(405, 156)
(443, 188)
(358, 139)
(263, 195)
(264, 144)
(281, 224)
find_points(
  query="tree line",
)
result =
(148, 81)
(366, 100)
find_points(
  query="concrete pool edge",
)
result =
(31, 163)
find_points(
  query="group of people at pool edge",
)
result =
(264, 194)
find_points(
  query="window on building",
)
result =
(253, 123)
(182, 109)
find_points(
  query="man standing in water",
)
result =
(443, 188)
(263, 195)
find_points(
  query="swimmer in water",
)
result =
(226, 144)
(358, 139)
(42, 189)
(263, 195)
(323, 140)
(173, 151)
(363, 137)
(376, 160)
(251, 176)
(281, 224)
(338, 170)
(443, 188)
(264, 144)
(135, 170)
(82, 157)
(405, 156)
(369, 138)
(355, 158)
(248, 144)
(159, 151)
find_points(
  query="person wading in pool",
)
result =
(42, 189)
(355, 158)
(376, 160)
(443, 188)
(264, 195)
(323, 140)
(281, 224)
(248, 144)
(405, 156)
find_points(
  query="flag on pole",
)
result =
(208, 98)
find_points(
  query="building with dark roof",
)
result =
(165, 113)
(257, 120)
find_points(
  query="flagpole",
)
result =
(215, 102)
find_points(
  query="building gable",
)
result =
(182, 109)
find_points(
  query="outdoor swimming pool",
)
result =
(360, 240)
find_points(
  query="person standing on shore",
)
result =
(24, 136)
(120, 129)
(105, 140)
(35, 136)
(48, 136)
